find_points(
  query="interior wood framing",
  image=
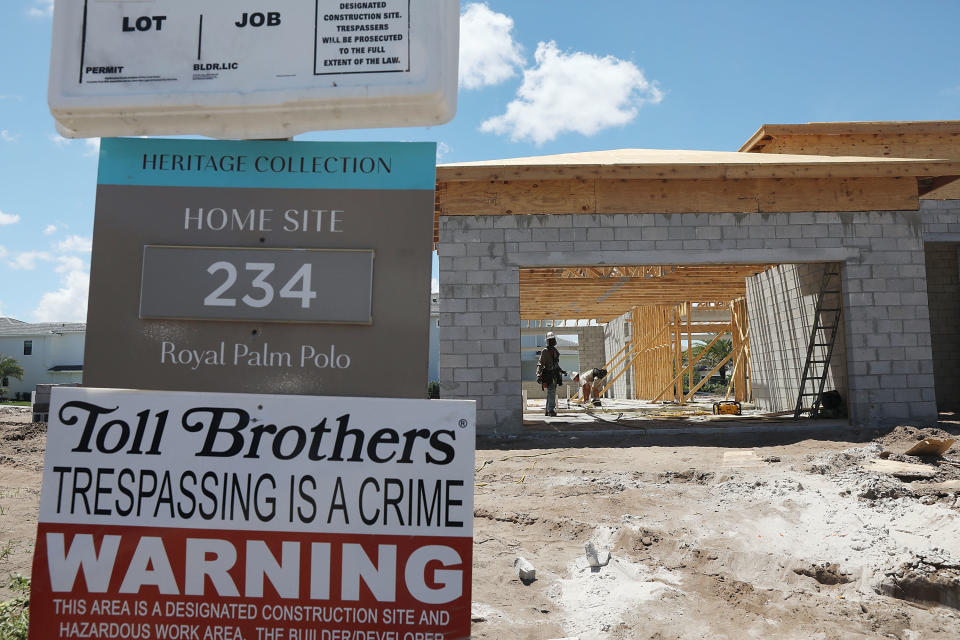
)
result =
(654, 354)
(553, 293)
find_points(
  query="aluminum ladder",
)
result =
(823, 336)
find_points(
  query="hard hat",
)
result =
(574, 375)
(551, 334)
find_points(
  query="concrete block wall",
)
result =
(943, 290)
(781, 303)
(615, 336)
(887, 324)
(941, 231)
(593, 352)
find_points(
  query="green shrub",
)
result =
(15, 613)
(433, 392)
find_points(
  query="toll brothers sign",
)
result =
(228, 516)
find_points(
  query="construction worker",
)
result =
(549, 373)
(591, 383)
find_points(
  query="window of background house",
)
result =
(28, 347)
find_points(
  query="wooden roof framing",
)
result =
(939, 139)
(552, 293)
(665, 181)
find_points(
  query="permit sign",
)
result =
(262, 267)
(255, 517)
(249, 69)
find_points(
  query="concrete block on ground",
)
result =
(596, 557)
(525, 570)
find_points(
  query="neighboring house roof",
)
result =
(13, 327)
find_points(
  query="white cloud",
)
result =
(91, 145)
(75, 244)
(8, 218)
(488, 53)
(434, 285)
(27, 260)
(49, 229)
(41, 9)
(577, 92)
(69, 302)
(442, 149)
(6, 136)
(3, 251)
(67, 264)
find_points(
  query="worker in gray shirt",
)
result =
(549, 373)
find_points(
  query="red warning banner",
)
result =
(170, 516)
(145, 583)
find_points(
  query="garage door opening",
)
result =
(686, 343)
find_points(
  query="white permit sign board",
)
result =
(224, 515)
(251, 69)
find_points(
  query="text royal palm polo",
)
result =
(277, 267)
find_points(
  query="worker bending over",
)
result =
(591, 382)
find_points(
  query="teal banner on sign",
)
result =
(268, 164)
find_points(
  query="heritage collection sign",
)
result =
(261, 69)
(256, 517)
(262, 267)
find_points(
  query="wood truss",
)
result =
(653, 355)
(604, 293)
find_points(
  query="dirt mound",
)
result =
(902, 438)
(824, 573)
(933, 579)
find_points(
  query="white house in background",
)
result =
(49, 352)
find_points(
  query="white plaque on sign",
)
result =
(244, 69)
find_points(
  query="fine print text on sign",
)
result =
(296, 64)
(189, 515)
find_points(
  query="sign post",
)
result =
(278, 481)
(255, 517)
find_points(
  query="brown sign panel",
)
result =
(292, 227)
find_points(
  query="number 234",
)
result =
(298, 286)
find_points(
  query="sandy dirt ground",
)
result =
(773, 535)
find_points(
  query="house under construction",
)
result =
(827, 254)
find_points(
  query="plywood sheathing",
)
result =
(553, 293)
(677, 181)
(871, 139)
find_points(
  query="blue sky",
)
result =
(537, 78)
